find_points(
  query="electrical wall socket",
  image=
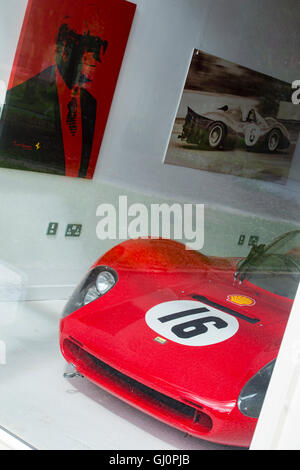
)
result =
(253, 240)
(242, 239)
(73, 230)
(52, 228)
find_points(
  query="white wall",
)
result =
(36, 266)
(261, 34)
(163, 36)
(12, 14)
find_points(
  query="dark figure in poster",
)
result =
(49, 120)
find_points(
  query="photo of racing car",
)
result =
(225, 124)
(235, 121)
(187, 338)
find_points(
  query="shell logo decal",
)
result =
(241, 300)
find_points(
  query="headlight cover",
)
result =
(96, 283)
(252, 396)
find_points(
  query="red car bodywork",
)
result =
(194, 389)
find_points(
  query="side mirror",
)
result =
(257, 249)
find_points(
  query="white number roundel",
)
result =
(191, 323)
(252, 134)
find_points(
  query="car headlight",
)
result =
(252, 396)
(96, 283)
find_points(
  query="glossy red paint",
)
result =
(206, 379)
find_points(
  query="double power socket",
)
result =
(72, 230)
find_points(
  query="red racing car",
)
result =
(187, 338)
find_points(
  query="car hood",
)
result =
(117, 330)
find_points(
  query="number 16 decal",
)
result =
(191, 323)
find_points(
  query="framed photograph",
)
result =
(234, 120)
(62, 83)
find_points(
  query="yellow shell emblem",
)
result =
(241, 300)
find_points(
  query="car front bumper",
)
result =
(207, 420)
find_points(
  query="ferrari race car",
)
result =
(227, 126)
(187, 338)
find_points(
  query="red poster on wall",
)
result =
(62, 83)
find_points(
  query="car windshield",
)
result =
(260, 120)
(275, 267)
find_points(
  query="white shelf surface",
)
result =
(50, 412)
